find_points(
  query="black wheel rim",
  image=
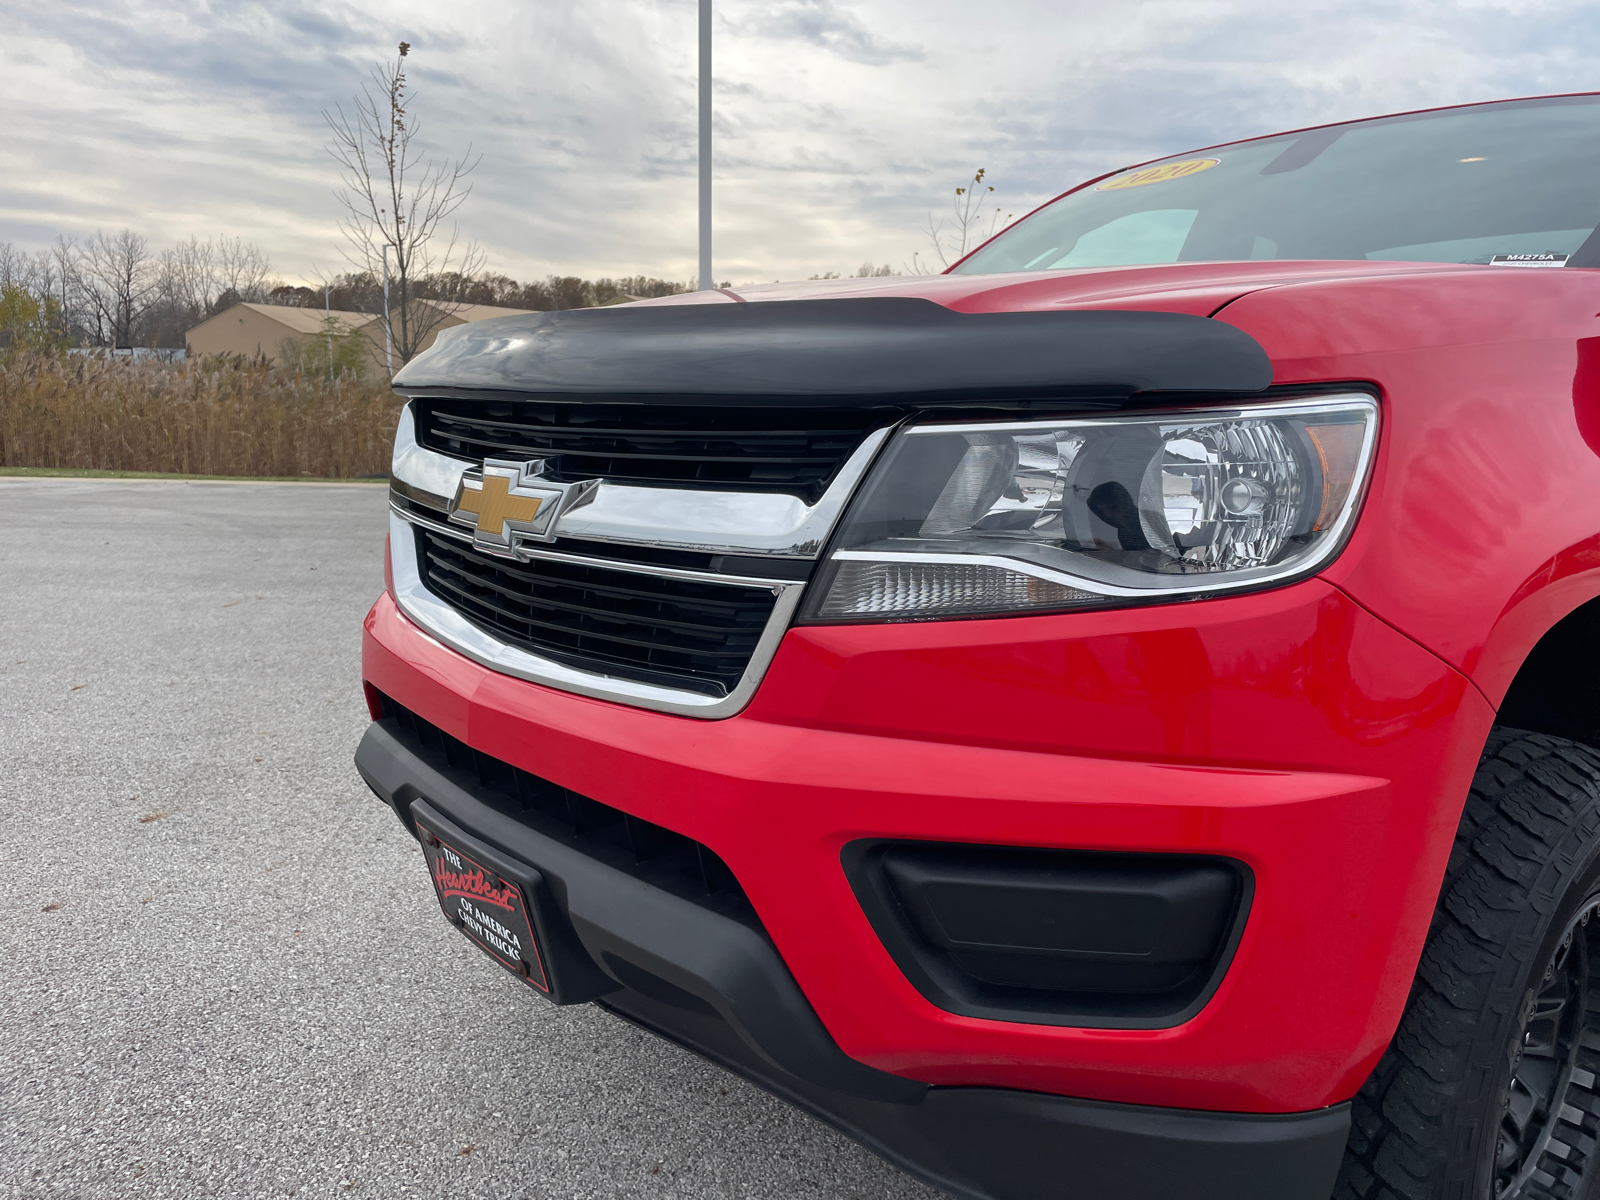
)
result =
(1550, 1118)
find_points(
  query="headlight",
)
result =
(968, 519)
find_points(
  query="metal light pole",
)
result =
(388, 341)
(327, 325)
(707, 280)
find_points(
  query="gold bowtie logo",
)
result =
(495, 507)
(510, 503)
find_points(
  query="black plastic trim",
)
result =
(656, 629)
(941, 981)
(1006, 1144)
(865, 348)
(706, 447)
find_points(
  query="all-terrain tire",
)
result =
(1511, 936)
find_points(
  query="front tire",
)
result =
(1489, 1090)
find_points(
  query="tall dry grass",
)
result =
(210, 417)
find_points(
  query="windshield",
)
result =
(1509, 184)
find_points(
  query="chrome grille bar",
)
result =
(771, 524)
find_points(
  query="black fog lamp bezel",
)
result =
(942, 981)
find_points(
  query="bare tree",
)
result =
(969, 225)
(54, 287)
(50, 277)
(119, 277)
(241, 271)
(67, 285)
(187, 277)
(35, 274)
(30, 313)
(393, 198)
(16, 268)
(202, 278)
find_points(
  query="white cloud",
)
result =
(839, 122)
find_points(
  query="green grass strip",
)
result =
(74, 473)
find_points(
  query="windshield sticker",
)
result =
(1158, 174)
(1529, 260)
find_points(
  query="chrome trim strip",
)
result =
(1147, 416)
(420, 474)
(452, 629)
(767, 524)
(746, 523)
(529, 553)
(1016, 566)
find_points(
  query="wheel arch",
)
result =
(1556, 690)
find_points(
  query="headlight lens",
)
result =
(969, 519)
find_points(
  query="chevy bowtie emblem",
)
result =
(508, 502)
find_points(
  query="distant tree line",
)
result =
(362, 291)
(114, 290)
(865, 271)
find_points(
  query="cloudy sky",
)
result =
(840, 123)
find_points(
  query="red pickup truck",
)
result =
(1116, 719)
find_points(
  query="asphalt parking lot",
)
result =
(224, 972)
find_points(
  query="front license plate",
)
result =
(489, 908)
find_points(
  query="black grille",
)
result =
(660, 856)
(744, 448)
(674, 632)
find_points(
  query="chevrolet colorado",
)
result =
(1117, 719)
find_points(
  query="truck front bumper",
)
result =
(716, 987)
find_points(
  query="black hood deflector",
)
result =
(825, 351)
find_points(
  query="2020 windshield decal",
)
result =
(1161, 173)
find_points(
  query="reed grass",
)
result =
(208, 417)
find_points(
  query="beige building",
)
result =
(261, 330)
(268, 330)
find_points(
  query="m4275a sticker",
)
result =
(1529, 260)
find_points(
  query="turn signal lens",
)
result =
(970, 519)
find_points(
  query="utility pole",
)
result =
(707, 280)
(388, 341)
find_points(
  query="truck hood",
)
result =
(1106, 333)
(1199, 289)
(849, 349)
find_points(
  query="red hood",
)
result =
(1197, 288)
